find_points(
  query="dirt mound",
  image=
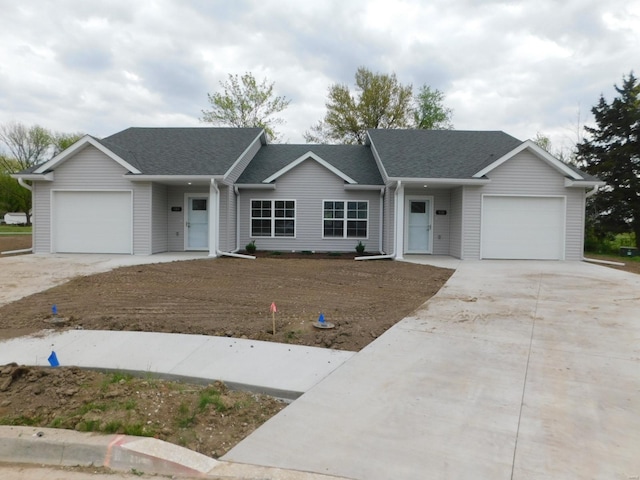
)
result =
(208, 419)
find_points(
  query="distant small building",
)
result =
(15, 218)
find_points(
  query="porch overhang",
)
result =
(198, 180)
(439, 182)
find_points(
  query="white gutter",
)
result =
(219, 252)
(604, 262)
(395, 226)
(22, 184)
(235, 255)
(24, 250)
(381, 218)
(591, 192)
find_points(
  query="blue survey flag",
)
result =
(54, 310)
(53, 360)
(321, 318)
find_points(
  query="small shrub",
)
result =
(360, 247)
(251, 247)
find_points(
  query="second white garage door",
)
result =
(529, 228)
(92, 222)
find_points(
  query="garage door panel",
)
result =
(523, 228)
(92, 222)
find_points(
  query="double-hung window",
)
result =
(273, 218)
(343, 219)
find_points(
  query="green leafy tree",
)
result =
(25, 147)
(430, 112)
(612, 153)
(245, 102)
(379, 101)
(62, 141)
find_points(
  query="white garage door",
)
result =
(523, 227)
(92, 222)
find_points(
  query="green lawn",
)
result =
(15, 229)
(611, 257)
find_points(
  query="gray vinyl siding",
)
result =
(440, 223)
(455, 223)
(388, 244)
(574, 241)
(309, 184)
(524, 174)
(91, 169)
(159, 226)
(41, 201)
(226, 235)
(237, 169)
(142, 219)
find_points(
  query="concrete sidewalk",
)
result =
(284, 371)
(514, 370)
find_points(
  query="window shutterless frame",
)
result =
(345, 219)
(272, 218)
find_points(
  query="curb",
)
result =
(57, 447)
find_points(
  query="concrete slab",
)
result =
(514, 370)
(282, 370)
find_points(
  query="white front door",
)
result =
(418, 225)
(197, 223)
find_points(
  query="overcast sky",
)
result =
(518, 66)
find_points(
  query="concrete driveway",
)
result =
(514, 370)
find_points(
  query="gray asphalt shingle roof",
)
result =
(356, 161)
(181, 151)
(439, 153)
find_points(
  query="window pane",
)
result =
(260, 228)
(418, 207)
(285, 228)
(356, 229)
(198, 204)
(333, 228)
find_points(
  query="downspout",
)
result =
(395, 226)
(217, 250)
(588, 194)
(236, 190)
(22, 184)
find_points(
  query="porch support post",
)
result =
(399, 209)
(214, 213)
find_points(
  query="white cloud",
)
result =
(521, 67)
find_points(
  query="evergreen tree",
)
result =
(612, 153)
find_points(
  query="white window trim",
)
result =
(273, 218)
(345, 219)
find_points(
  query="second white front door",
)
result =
(197, 223)
(419, 234)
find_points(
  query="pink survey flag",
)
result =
(273, 308)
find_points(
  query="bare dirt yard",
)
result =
(224, 296)
(232, 297)
(14, 242)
